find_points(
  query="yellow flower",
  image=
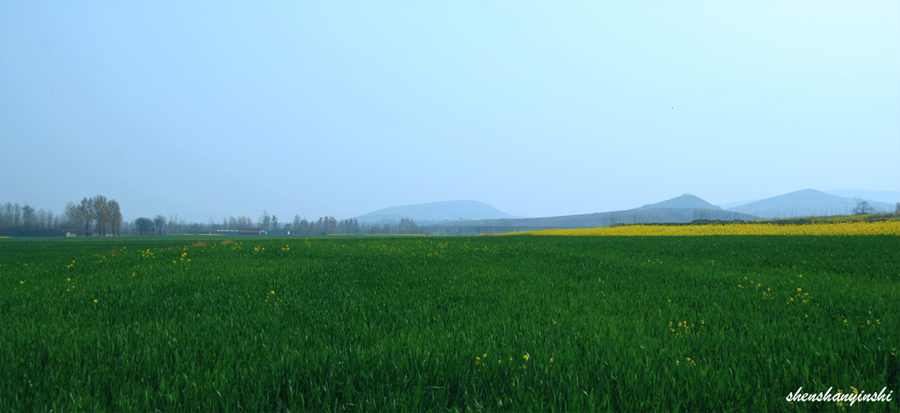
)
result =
(272, 292)
(838, 228)
(484, 355)
(21, 282)
(799, 290)
(526, 357)
(95, 301)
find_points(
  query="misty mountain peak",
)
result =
(683, 201)
(436, 211)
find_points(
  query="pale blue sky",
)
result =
(210, 109)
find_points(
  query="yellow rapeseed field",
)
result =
(841, 228)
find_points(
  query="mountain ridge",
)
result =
(471, 217)
(806, 202)
(890, 197)
(683, 201)
(436, 211)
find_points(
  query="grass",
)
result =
(495, 323)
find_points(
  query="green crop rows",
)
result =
(495, 323)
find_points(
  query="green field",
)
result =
(495, 323)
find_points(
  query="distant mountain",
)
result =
(436, 211)
(684, 201)
(472, 217)
(804, 203)
(680, 210)
(890, 197)
(730, 205)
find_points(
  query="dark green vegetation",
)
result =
(508, 323)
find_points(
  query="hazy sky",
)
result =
(210, 109)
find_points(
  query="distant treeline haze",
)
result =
(270, 224)
(99, 216)
(96, 216)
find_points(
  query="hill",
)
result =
(680, 210)
(684, 201)
(601, 219)
(436, 211)
(472, 217)
(890, 197)
(807, 202)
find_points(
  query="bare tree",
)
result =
(86, 215)
(265, 221)
(17, 216)
(863, 208)
(305, 227)
(72, 216)
(407, 226)
(160, 222)
(101, 214)
(295, 227)
(29, 218)
(6, 213)
(115, 215)
(174, 226)
(143, 225)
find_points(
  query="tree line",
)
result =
(99, 216)
(94, 216)
(271, 225)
